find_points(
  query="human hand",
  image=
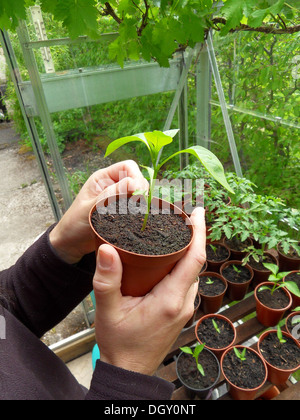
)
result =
(72, 237)
(136, 333)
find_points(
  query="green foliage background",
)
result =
(258, 70)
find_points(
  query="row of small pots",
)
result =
(225, 361)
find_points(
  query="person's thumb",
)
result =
(107, 280)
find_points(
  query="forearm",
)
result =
(42, 289)
(113, 383)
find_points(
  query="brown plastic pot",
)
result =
(237, 291)
(267, 316)
(142, 272)
(217, 351)
(275, 375)
(295, 333)
(242, 394)
(286, 263)
(212, 304)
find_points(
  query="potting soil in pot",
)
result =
(285, 356)
(248, 374)
(164, 233)
(190, 374)
(234, 276)
(211, 337)
(220, 254)
(279, 299)
(214, 289)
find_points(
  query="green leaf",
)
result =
(209, 161)
(272, 267)
(159, 139)
(292, 287)
(257, 18)
(116, 144)
(187, 350)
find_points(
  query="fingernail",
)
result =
(105, 259)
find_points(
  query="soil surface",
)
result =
(279, 299)
(214, 339)
(285, 356)
(216, 252)
(190, 374)
(247, 374)
(236, 273)
(164, 233)
(214, 289)
(260, 264)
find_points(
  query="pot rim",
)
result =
(186, 217)
(263, 336)
(213, 274)
(216, 316)
(201, 389)
(260, 357)
(233, 262)
(275, 310)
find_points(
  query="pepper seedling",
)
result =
(155, 141)
(195, 353)
(277, 279)
(280, 336)
(216, 327)
(240, 354)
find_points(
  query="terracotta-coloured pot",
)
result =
(142, 272)
(212, 304)
(267, 316)
(237, 291)
(286, 263)
(261, 276)
(215, 265)
(295, 331)
(217, 351)
(296, 299)
(242, 394)
(201, 393)
(276, 376)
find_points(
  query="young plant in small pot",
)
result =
(216, 255)
(144, 268)
(244, 371)
(273, 299)
(292, 324)
(238, 277)
(281, 353)
(294, 276)
(198, 370)
(217, 332)
(212, 288)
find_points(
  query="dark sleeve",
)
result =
(113, 383)
(41, 289)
